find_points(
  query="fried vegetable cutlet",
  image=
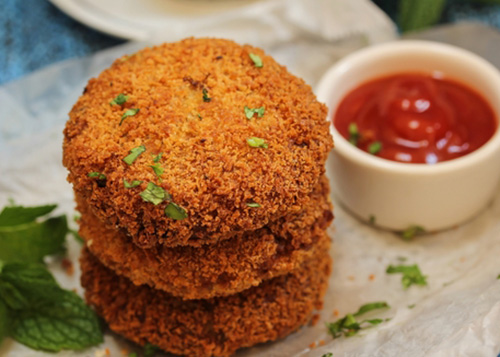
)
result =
(189, 143)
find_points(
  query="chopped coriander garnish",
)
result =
(150, 349)
(175, 211)
(411, 306)
(206, 98)
(134, 154)
(412, 231)
(119, 100)
(132, 184)
(411, 274)
(375, 147)
(329, 354)
(372, 219)
(157, 158)
(249, 112)
(199, 116)
(253, 204)
(349, 326)
(353, 134)
(158, 170)
(129, 113)
(498, 277)
(257, 61)
(97, 175)
(257, 142)
(155, 194)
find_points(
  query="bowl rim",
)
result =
(403, 47)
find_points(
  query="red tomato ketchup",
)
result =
(415, 118)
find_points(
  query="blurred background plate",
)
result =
(140, 20)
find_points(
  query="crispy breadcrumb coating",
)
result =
(214, 327)
(191, 98)
(220, 269)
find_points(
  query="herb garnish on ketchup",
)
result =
(415, 118)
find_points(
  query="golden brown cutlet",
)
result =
(191, 96)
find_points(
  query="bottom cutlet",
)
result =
(213, 327)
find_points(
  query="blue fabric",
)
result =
(34, 33)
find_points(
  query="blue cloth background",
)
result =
(34, 33)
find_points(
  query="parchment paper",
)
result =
(457, 314)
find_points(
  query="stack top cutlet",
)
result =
(191, 98)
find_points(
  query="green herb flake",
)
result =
(129, 113)
(372, 219)
(157, 158)
(375, 147)
(257, 61)
(249, 112)
(119, 100)
(206, 98)
(498, 277)
(411, 306)
(410, 232)
(199, 116)
(132, 184)
(257, 142)
(158, 170)
(96, 175)
(349, 326)
(353, 134)
(134, 154)
(150, 350)
(175, 212)
(154, 194)
(329, 354)
(253, 204)
(411, 274)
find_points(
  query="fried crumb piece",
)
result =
(321, 342)
(351, 277)
(336, 313)
(371, 277)
(68, 267)
(312, 345)
(314, 319)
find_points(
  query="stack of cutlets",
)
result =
(198, 169)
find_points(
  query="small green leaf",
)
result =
(14, 215)
(257, 61)
(253, 204)
(375, 147)
(329, 354)
(129, 113)
(158, 170)
(370, 307)
(134, 154)
(206, 98)
(411, 274)
(498, 277)
(175, 211)
(412, 231)
(157, 158)
(249, 112)
(65, 323)
(96, 175)
(418, 14)
(132, 184)
(353, 134)
(257, 142)
(150, 350)
(30, 242)
(411, 306)
(76, 236)
(155, 194)
(119, 100)
(372, 219)
(11, 296)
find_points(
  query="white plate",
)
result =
(141, 20)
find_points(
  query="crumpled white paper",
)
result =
(457, 314)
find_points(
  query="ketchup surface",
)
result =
(415, 118)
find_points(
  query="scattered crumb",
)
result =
(462, 259)
(371, 277)
(351, 277)
(336, 313)
(314, 319)
(321, 342)
(68, 267)
(107, 352)
(312, 345)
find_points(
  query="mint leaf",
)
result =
(134, 154)
(417, 14)
(14, 215)
(4, 321)
(64, 323)
(175, 212)
(12, 297)
(30, 242)
(155, 194)
(411, 274)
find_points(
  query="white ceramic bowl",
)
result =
(399, 195)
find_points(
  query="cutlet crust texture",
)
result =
(213, 327)
(220, 269)
(191, 97)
